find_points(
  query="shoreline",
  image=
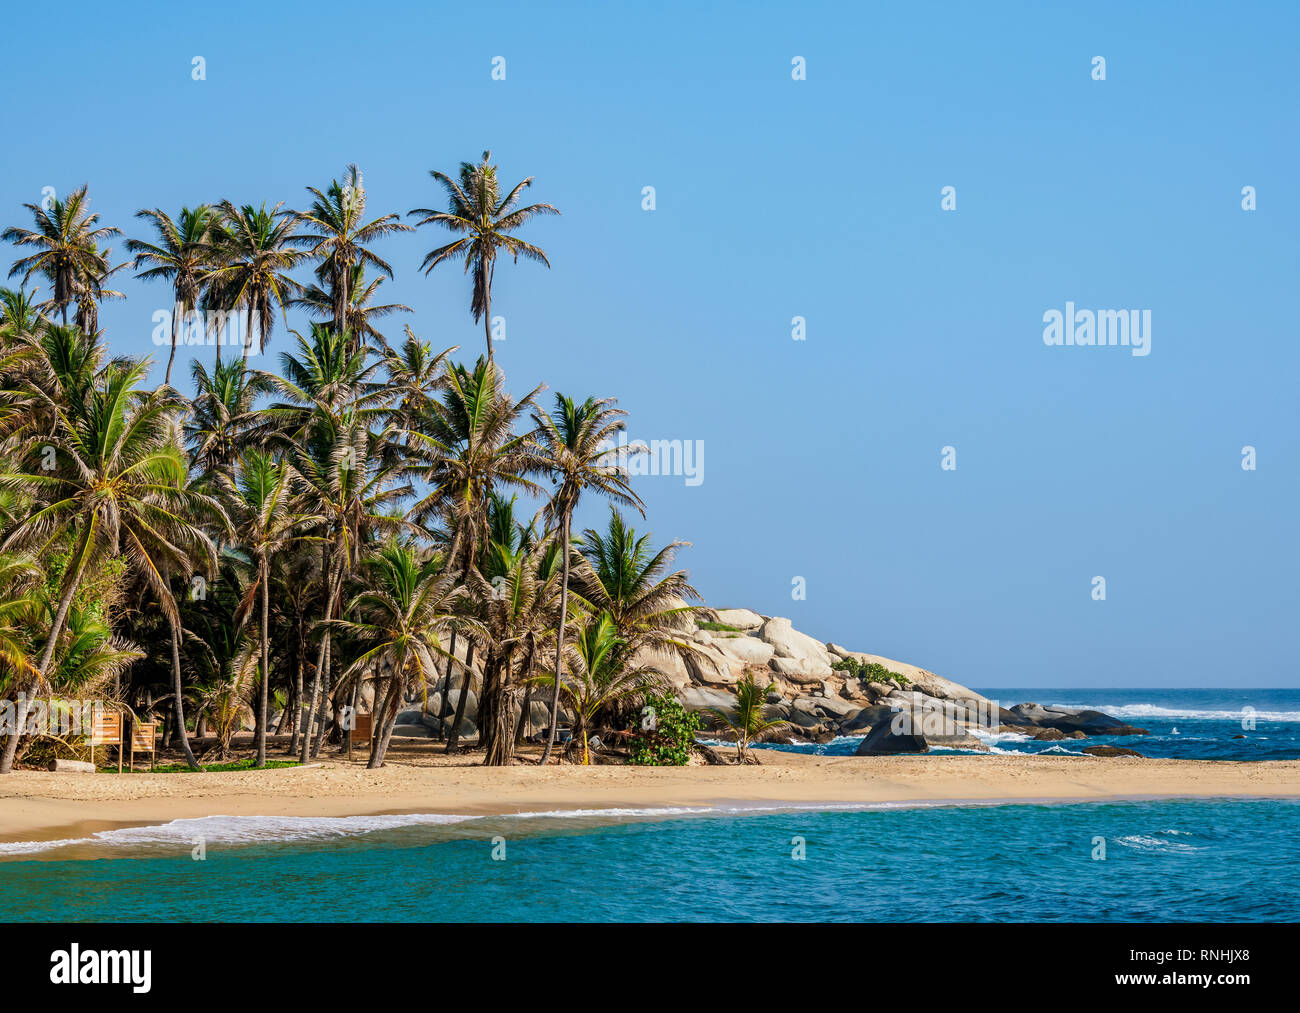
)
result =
(37, 806)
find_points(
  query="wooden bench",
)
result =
(106, 730)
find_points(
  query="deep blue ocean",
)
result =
(1172, 860)
(1185, 724)
(1163, 861)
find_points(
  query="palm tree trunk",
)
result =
(327, 688)
(180, 703)
(387, 720)
(297, 691)
(453, 742)
(248, 337)
(559, 642)
(525, 726)
(444, 704)
(321, 655)
(167, 377)
(266, 664)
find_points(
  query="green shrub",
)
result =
(874, 672)
(669, 743)
(719, 628)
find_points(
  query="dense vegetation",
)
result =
(342, 533)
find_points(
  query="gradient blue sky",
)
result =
(817, 198)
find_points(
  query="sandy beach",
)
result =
(45, 806)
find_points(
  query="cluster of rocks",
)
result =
(894, 706)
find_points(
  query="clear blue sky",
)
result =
(818, 198)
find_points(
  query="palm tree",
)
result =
(19, 313)
(467, 449)
(575, 441)
(336, 237)
(515, 598)
(748, 722)
(362, 309)
(623, 575)
(93, 291)
(415, 375)
(255, 249)
(602, 676)
(347, 480)
(120, 485)
(222, 413)
(66, 239)
(397, 622)
(485, 222)
(182, 255)
(267, 524)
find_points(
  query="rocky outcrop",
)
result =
(896, 707)
(1110, 751)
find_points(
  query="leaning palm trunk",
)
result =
(167, 377)
(559, 642)
(180, 703)
(453, 742)
(387, 715)
(47, 655)
(15, 733)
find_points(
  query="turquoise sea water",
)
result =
(1164, 861)
(1185, 724)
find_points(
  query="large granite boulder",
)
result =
(883, 740)
(801, 671)
(788, 642)
(742, 619)
(669, 665)
(746, 650)
(712, 667)
(864, 720)
(701, 698)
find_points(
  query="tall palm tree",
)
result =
(348, 480)
(267, 523)
(575, 440)
(120, 485)
(181, 255)
(467, 449)
(336, 236)
(485, 222)
(255, 250)
(66, 239)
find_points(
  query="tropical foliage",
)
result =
(281, 549)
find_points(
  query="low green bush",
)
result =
(668, 743)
